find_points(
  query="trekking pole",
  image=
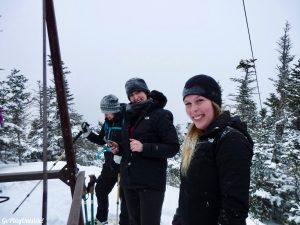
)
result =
(92, 208)
(91, 187)
(85, 206)
(37, 184)
(4, 199)
(118, 198)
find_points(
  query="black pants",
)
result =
(144, 205)
(105, 184)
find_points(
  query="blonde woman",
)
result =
(216, 160)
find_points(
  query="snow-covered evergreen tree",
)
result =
(261, 169)
(258, 125)
(173, 170)
(292, 147)
(285, 156)
(4, 148)
(245, 106)
(281, 85)
(293, 96)
(84, 150)
(18, 101)
(35, 135)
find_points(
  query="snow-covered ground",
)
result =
(59, 198)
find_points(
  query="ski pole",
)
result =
(92, 191)
(37, 184)
(4, 199)
(85, 208)
(118, 198)
(92, 209)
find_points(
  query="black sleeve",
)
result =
(168, 146)
(97, 138)
(234, 161)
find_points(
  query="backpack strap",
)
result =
(108, 129)
(221, 135)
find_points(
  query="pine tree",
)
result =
(4, 147)
(35, 135)
(261, 199)
(292, 148)
(55, 143)
(293, 96)
(173, 170)
(259, 126)
(285, 155)
(245, 105)
(17, 105)
(294, 102)
(281, 85)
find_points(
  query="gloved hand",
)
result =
(85, 129)
(91, 185)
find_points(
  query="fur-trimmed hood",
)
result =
(159, 99)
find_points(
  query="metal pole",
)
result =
(61, 96)
(118, 198)
(45, 139)
(60, 92)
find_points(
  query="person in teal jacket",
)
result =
(110, 131)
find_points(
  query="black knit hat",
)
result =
(110, 104)
(205, 86)
(136, 84)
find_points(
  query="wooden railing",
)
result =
(75, 211)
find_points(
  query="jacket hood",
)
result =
(159, 99)
(225, 119)
(123, 108)
(155, 100)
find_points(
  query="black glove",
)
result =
(85, 129)
(91, 184)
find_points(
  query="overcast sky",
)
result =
(105, 42)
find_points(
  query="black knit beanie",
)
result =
(205, 86)
(136, 84)
(110, 104)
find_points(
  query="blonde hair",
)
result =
(190, 142)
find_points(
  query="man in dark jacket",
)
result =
(110, 131)
(148, 139)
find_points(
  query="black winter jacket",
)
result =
(111, 130)
(153, 127)
(216, 188)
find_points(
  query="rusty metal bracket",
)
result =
(66, 177)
